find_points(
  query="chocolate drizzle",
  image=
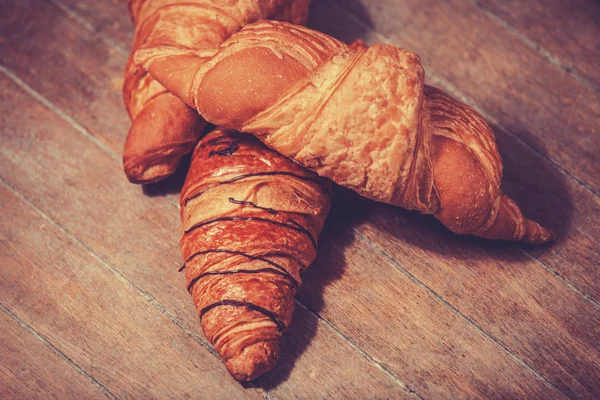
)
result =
(269, 173)
(295, 226)
(231, 146)
(251, 204)
(277, 269)
(250, 306)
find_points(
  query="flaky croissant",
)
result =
(164, 129)
(251, 219)
(359, 116)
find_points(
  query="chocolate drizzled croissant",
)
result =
(359, 116)
(251, 219)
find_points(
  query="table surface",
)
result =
(394, 307)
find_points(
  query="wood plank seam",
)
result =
(112, 269)
(38, 336)
(535, 46)
(84, 23)
(590, 299)
(455, 92)
(362, 352)
(365, 240)
(455, 310)
(48, 104)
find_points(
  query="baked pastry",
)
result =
(251, 219)
(164, 129)
(359, 116)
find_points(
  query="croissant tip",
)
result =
(140, 174)
(254, 360)
(537, 234)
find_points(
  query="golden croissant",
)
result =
(163, 128)
(251, 219)
(359, 116)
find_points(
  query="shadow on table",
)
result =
(170, 185)
(534, 183)
(325, 16)
(328, 267)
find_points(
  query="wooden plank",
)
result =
(505, 293)
(73, 67)
(84, 190)
(56, 286)
(109, 18)
(30, 370)
(549, 197)
(566, 32)
(422, 342)
(521, 305)
(517, 87)
(544, 193)
(400, 323)
(312, 352)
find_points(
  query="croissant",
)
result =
(163, 128)
(251, 219)
(359, 116)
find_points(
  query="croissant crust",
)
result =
(163, 128)
(251, 219)
(359, 116)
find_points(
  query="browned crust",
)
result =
(251, 219)
(359, 116)
(163, 129)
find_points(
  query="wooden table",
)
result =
(394, 307)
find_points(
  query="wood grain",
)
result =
(518, 379)
(524, 314)
(113, 227)
(433, 349)
(31, 370)
(513, 84)
(150, 255)
(398, 307)
(119, 226)
(565, 32)
(55, 285)
(511, 298)
(109, 18)
(72, 67)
